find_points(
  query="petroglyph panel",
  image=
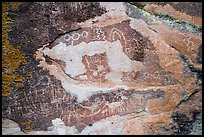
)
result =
(44, 107)
(94, 73)
(99, 65)
(100, 59)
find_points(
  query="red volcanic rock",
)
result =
(169, 10)
(183, 11)
(186, 44)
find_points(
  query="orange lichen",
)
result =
(12, 58)
(29, 74)
(27, 124)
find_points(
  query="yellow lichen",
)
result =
(29, 74)
(19, 85)
(140, 110)
(177, 21)
(15, 5)
(27, 124)
(12, 58)
(186, 97)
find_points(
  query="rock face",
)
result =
(106, 73)
(185, 11)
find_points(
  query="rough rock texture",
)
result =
(100, 71)
(190, 8)
(183, 11)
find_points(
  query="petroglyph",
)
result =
(74, 113)
(99, 64)
(98, 72)
(93, 62)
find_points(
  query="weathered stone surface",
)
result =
(183, 117)
(38, 23)
(190, 8)
(177, 40)
(112, 74)
(11, 128)
(183, 11)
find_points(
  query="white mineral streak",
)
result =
(84, 77)
(114, 125)
(59, 126)
(113, 6)
(118, 62)
(10, 127)
(83, 91)
(109, 126)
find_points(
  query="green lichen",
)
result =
(140, 110)
(177, 21)
(12, 58)
(154, 19)
(186, 97)
(194, 26)
(151, 18)
(167, 17)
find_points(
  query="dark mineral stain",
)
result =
(199, 55)
(184, 124)
(38, 23)
(38, 105)
(90, 125)
(136, 43)
(48, 59)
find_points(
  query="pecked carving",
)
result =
(91, 74)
